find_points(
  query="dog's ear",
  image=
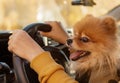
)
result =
(109, 24)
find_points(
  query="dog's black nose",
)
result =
(69, 41)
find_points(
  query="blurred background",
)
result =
(15, 14)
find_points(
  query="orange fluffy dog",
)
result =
(96, 54)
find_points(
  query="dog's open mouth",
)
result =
(79, 54)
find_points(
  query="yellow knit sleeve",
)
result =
(49, 71)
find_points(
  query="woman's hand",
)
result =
(23, 45)
(57, 33)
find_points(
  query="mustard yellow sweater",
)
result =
(49, 71)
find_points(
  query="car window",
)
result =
(15, 14)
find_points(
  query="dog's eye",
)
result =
(84, 39)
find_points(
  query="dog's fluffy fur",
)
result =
(98, 37)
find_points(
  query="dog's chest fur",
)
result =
(103, 77)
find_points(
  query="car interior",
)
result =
(14, 69)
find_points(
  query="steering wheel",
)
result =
(23, 72)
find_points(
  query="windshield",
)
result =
(15, 14)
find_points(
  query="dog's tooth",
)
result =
(82, 54)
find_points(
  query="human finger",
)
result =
(10, 47)
(10, 37)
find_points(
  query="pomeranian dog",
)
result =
(95, 50)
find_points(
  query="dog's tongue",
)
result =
(75, 55)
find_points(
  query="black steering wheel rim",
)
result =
(19, 63)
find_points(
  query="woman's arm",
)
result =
(57, 33)
(41, 61)
(49, 71)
